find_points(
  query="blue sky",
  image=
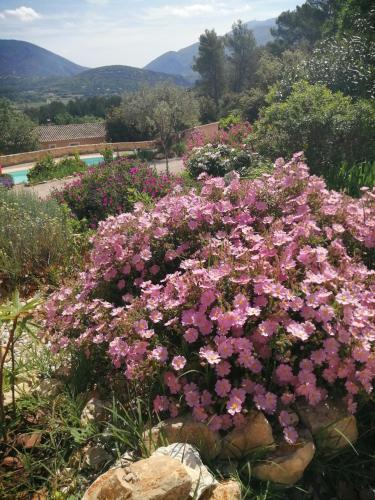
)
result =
(100, 32)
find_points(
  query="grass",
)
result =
(38, 241)
(350, 178)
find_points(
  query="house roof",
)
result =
(74, 131)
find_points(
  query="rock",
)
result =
(125, 460)
(184, 430)
(287, 464)
(49, 388)
(256, 433)
(94, 412)
(330, 423)
(228, 490)
(201, 477)
(155, 478)
(96, 457)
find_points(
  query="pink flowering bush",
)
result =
(112, 188)
(249, 295)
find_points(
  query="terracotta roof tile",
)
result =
(74, 131)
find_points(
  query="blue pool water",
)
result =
(21, 176)
(93, 161)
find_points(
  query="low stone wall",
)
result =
(209, 130)
(16, 159)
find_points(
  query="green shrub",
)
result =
(36, 240)
(107, 154)
(330, 128)
(47, 168)
(228, 121)
(146, 154)
(179, 149)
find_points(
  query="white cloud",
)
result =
(23, 14)
(194, 10)
(98, 2)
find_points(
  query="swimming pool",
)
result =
(20, 176)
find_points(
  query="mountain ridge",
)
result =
(24, 59)
(179, 62)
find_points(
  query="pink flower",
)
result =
(290, 434)
(160, 354)
(234, 405)
(222, 387)
(191, 335)
(160, 404)
(178, 362)
(209, 355)
(223, 368)
(156, 316)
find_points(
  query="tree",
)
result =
(242, 56)
(17, 132)
(155, 113)
(210, 64)
(329, 127)
(303, 26)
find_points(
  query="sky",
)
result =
(133, 32)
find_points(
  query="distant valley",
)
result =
(29, 73)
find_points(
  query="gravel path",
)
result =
(45, 189)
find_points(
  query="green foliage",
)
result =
(80, 110)
(36, 240)
(210, 64)
(179, 148)
(351, 178)
(146, 154)
(304, 25)
(16, 130)
(107, 154)
(158, 113)
(218, 160)
(330, 128)
(229, 120)
(47, 168)
(15, 317)
(242, 56)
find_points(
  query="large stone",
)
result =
(155, 478)
(255, 434)
(228, 490)
(287, 464)
(184, 430)
(94, 412)
(330, 424)
(201, 477)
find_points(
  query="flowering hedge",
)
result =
(228, 151)
(112, 188)
(251, 294)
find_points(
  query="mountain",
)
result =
(26, 60)
(103, 81)
(109, 80)
(180, 62)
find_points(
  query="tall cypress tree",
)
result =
(210, 64)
